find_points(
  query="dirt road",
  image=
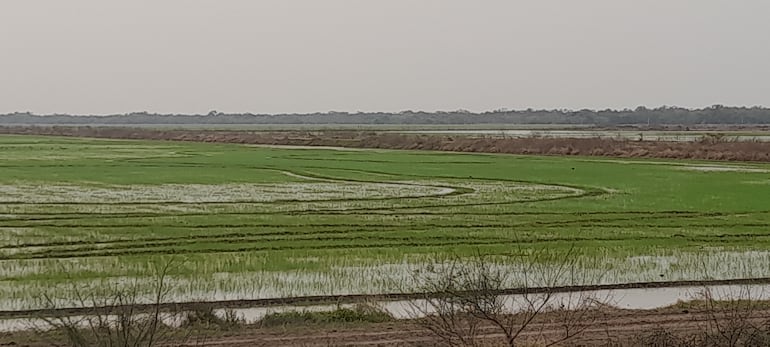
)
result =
(609, 327)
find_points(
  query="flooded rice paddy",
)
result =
(242, 222)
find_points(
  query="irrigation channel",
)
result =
(629, 296)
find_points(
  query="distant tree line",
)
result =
(716, 114)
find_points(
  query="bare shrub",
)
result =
(731, 320)
(116, 317)
(660, 337)
(206, 317)
(466, 301)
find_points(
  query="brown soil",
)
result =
(712, 149)
(611, 327)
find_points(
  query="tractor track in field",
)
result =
(360, 234)
(45, 216)
(536, 223)
(60, 221)
(348, 235)
(86, 250)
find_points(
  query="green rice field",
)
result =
(247, 222)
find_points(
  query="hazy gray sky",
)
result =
(275, 56)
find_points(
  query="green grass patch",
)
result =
(357, 314)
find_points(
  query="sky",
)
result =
(301, 56)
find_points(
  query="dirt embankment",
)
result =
(707, 150)
(604, 327)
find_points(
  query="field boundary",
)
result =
(706, 149)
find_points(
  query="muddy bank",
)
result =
(603, 327)
(709, 149)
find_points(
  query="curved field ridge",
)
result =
(212, 193)
(324, 189)
(249, 223)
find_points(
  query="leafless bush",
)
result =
(206, 317)
(117, 317)
(730, 319)
(465, 305)
(663, 337)
(733, 320)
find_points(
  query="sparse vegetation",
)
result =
(463, 305)
(361, 313)
(738, 320)
(206, 317)
(114, 319)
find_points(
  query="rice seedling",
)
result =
(251, 222)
